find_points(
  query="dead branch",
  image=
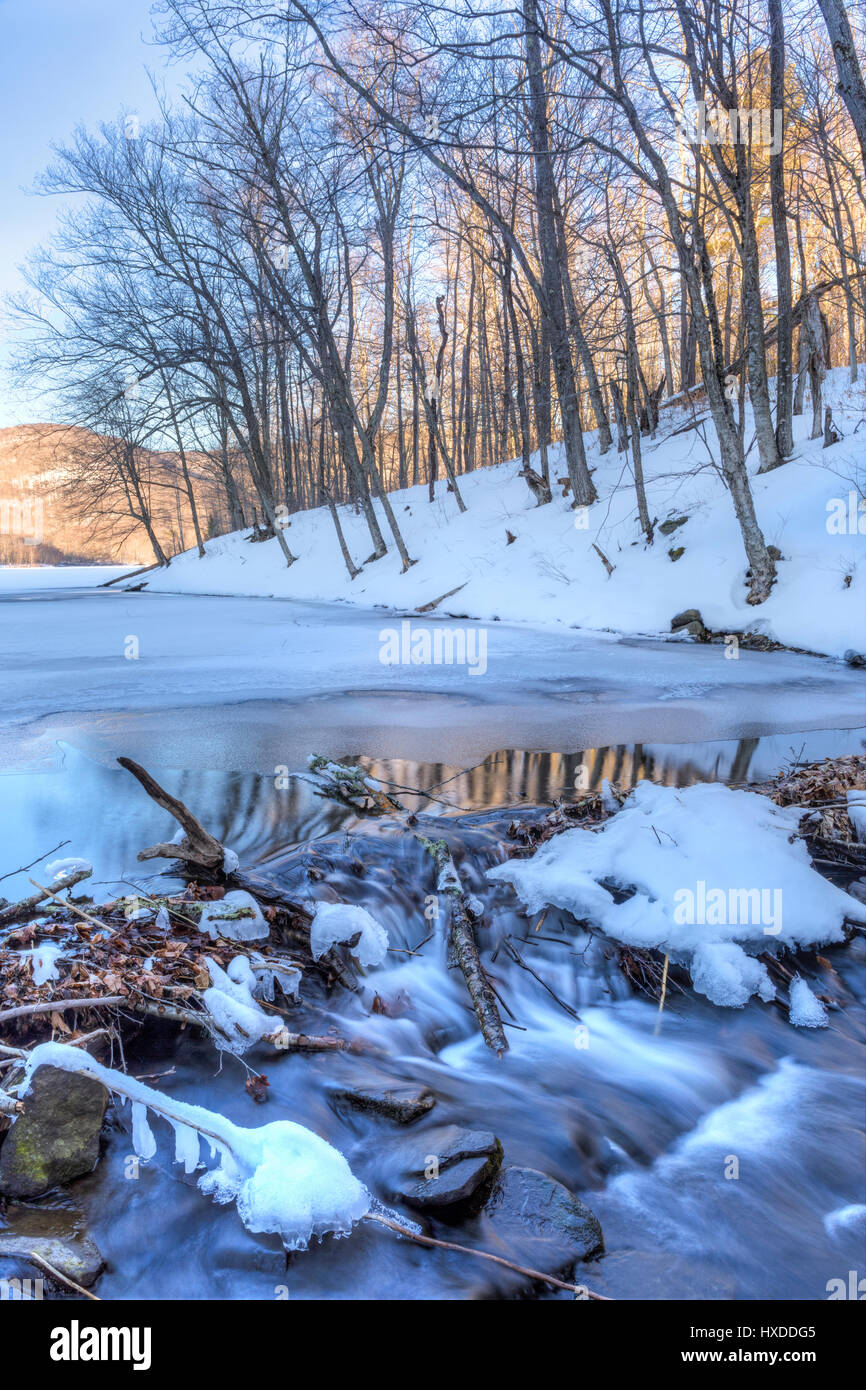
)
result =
(462, 930)
(198, 847)
(62, 1278)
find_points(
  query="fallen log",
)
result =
(462, 929)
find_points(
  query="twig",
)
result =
(198, 847)
(579, 1290)
(37, 860)
(516, 956)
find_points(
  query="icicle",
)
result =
(142, 1135)
(186, 1150)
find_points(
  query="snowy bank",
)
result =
(550, 572)
(715, 878)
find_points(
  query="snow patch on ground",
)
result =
(715, 879)
(551, 573)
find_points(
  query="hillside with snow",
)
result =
(506, 559)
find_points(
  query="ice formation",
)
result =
(231, 1005)
(44, 965)
(236, 917)
(806, 1011)
(285, 1179)
(340, 922)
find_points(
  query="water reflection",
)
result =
(107, 818)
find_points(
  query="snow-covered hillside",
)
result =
(550, 572)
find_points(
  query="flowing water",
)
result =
(640, 1113)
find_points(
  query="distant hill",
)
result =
(41, 523)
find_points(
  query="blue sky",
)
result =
(62, 63)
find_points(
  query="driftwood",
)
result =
(198, 848)
(462, 928)
(8, 1105)
(281, 1038)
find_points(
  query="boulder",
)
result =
(58, 1237)
(689, 621)
(446, 1166)
(688, 615)
(56, 1137)
(536, 1221)
(400, 1101)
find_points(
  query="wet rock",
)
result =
(58, 1237)
(400, 1101)
(56, 1138)
(446, 1166)
(538, 1222)
(855, 659)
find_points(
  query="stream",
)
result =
(223, 705)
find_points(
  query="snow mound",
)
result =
(340, 922)
(236, 917)
(285, 1179)
(714, 877)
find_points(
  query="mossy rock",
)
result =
(56, 1137)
